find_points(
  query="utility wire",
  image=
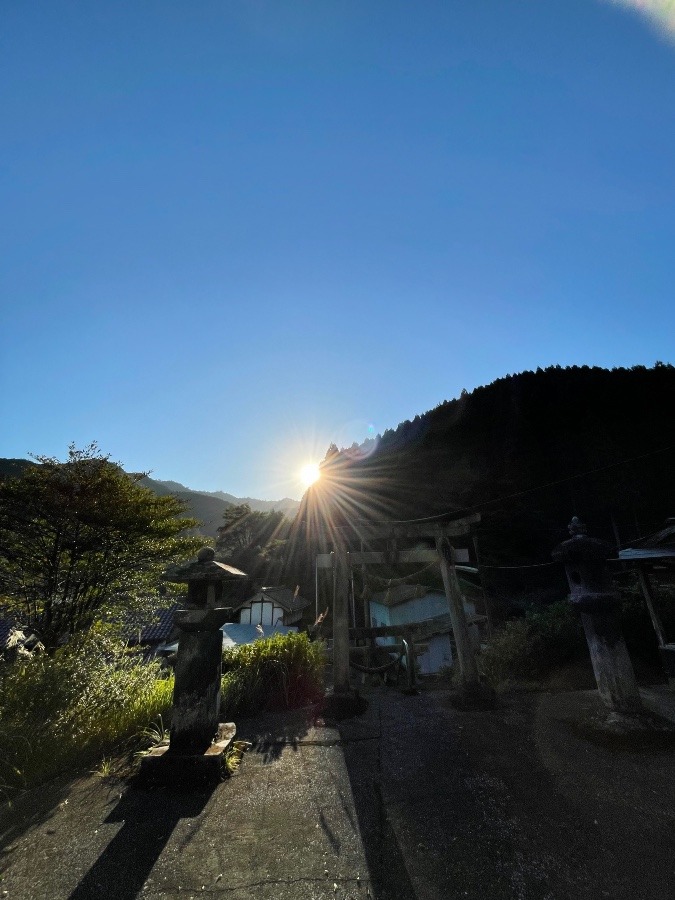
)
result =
(467, 509)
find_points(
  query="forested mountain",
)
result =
(528, 452)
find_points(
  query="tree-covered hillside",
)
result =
(527, 451)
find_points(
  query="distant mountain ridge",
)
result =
(286, 505)
(207, 507)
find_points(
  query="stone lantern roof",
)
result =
(581, 547)
(204, 568)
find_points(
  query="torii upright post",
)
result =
(467, 662)
(341, 620)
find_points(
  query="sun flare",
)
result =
(309, 474)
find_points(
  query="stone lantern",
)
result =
(592, 593)
(197, 740)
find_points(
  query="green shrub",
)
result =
(64, 711)
(526, 650)
(636, 623)
(514, 654)
(558, 627)
(280, 672)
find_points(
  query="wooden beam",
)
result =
(357, 634)
(649, 600)
(455, 528)
(417, 555)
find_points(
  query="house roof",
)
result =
(158, 630)
(234, 635)
(161, 629)
(660, 545)
(282, 596)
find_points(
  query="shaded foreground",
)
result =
(412, 799)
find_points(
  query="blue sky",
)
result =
(234, 232)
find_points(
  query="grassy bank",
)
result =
(64, 712)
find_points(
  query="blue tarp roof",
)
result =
(235, 634)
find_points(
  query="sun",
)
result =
(309, 474)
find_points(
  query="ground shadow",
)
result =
(361, 737)
(273, 733)
(504, 803)
(30, 809)
(148, 817)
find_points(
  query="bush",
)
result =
(636, 623)
(514, 654)
(559, 629)
(280, 672)
(63, 711)
(526, 650)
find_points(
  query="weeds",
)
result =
(525, 650)
(62, 712)
(234, 755)
(280, 672)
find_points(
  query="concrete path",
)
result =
(284, 826)
(412, 800)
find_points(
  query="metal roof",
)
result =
(660, 545)
(235, 634)
(402, 593)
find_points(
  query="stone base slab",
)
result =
(163, 768)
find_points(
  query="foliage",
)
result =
(527, 649)
(513, 655)
(62, 711)
(235, 754)
(81, 539)
(280, 672)
(636, 623)
(254, 542)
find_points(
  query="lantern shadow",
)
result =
(148, 817)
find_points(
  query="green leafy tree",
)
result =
(80, 540)
(254, 542)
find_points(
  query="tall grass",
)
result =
(64, 711)
(525, 651)
(280, 672)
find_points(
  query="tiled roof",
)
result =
(160, 629)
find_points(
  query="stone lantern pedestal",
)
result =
(198, 740)
(592, 593)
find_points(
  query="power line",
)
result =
(528, 566)
(467, 509)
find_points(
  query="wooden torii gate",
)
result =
(443, 552)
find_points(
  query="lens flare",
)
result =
(661, 13)
(309, 474)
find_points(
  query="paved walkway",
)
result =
(412, 800)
